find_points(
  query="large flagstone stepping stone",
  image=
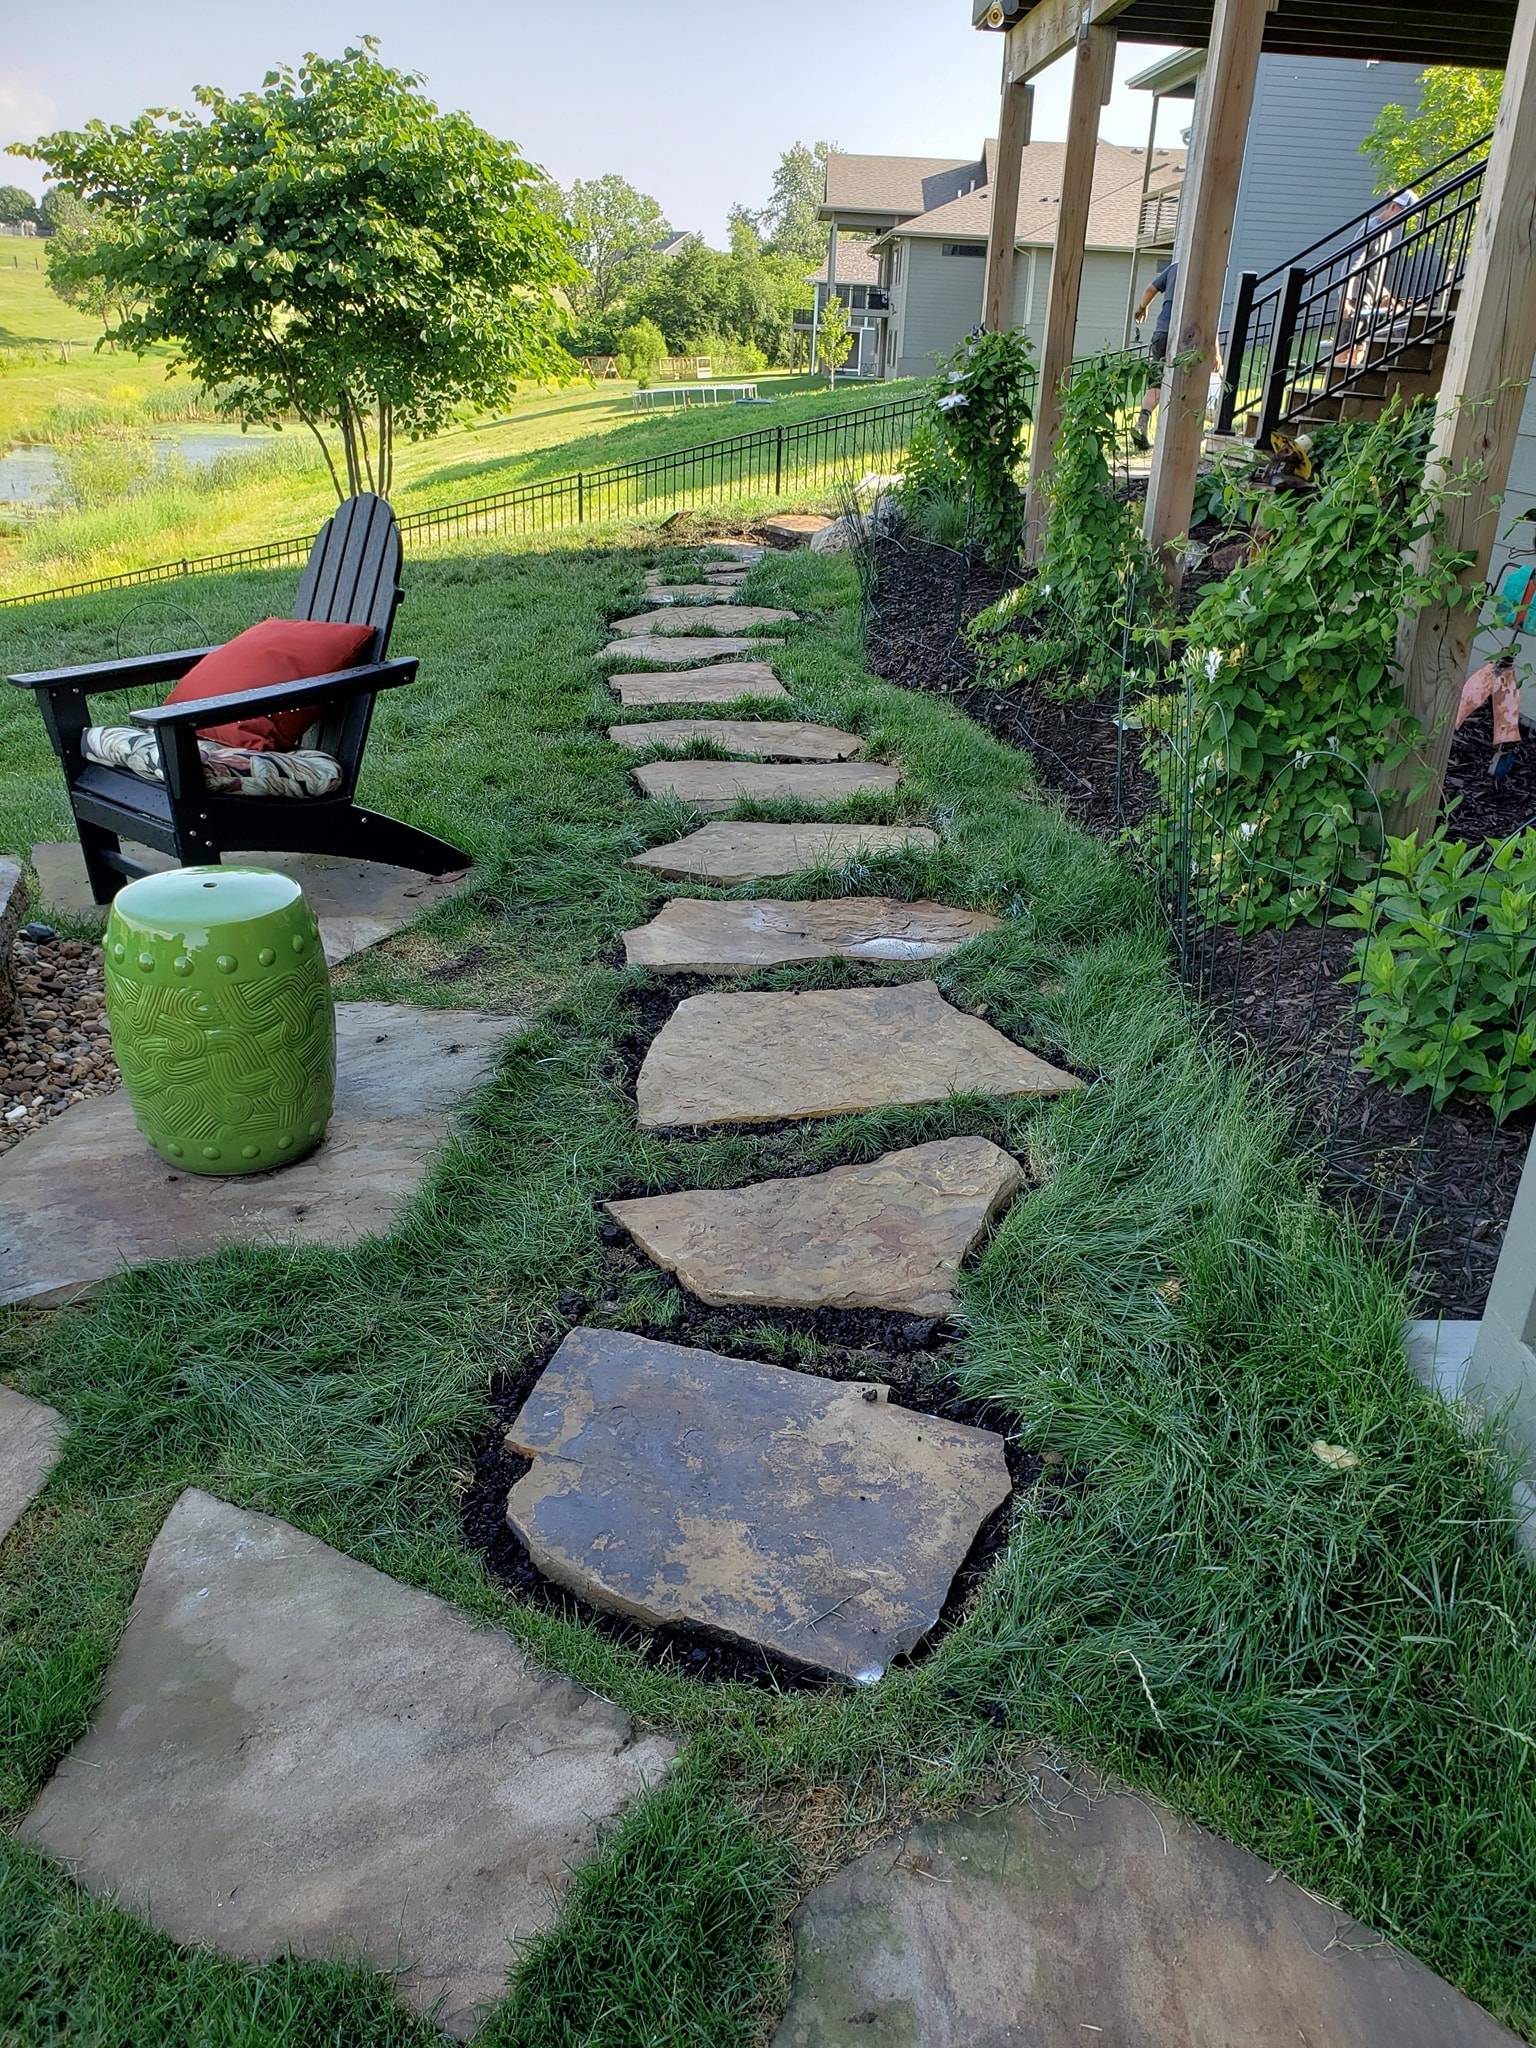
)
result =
(358, 902)
(721, 785)
(736, 552)
(1107, 1921)
(888, 1235)
(724, 683)
(763, 739)
(754, 851)
(691, 935)
(85, 1196)
(813, 1519)
(31, 1438)
(297, 1753)
(727, 1059)
(704, 618)
(661, 648)
(684, 593)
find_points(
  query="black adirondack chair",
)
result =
(352, 577)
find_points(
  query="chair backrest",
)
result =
(352, 576)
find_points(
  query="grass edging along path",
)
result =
(1330, 1663)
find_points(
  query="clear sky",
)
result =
(691, 103)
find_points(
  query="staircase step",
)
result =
(715, 787)
(734, 1059)
(729, 854)
(692, 935)
(762, 739)
(813, 1519)
(888, 1235)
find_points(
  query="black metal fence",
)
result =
(768, 461)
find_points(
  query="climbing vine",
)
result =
(982, 403)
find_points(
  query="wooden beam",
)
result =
(1093, 72)
(1482, 393)
(1014, 121)
(1205, 237)
(1050, 30)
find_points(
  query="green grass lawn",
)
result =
(1333, 1666)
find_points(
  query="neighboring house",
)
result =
(929, 217)
(672, 243)
(857, 284)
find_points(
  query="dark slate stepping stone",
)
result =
(85, 1196)
(298, 1753)
(692, 935)
(889, 1235)
(810, 1518)
(726, 1059)
(761, 739)
(1108, 1920)
(31, 1438)
(716, 786)
(722, 683)
(750, 852)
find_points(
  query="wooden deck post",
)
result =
(1013, 126)
(1093, 73)
(1210, 194)
(1481, 396)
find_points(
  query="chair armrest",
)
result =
(346, 682)
(139, 669)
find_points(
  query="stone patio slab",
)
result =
(727, 854)
(811, 1518)
(1111, 1922)
(761, 739)
(31, 1438)
(888, 1235)
(297, 1753)
(661, 648)
(704, 618)
(714, 786)
(691, 935)
(722, 684)
(726, 1059)
(85, 1196)
(358, 902)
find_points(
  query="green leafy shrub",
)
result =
(100, 468)
(1092, 562)
(1447, 970)
(1297, 708)
(982, 404)
(641, 348)
(932, 490)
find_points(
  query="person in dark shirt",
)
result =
(1161, 284)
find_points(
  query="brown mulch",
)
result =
(1447, 1177)
(54, 1048)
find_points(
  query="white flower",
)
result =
(1213, 664)
(954, 400)
(957, 376)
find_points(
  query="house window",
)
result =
(965, 248)
(896, 262)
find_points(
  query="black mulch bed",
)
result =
(907, 1353)
(1450, 1178)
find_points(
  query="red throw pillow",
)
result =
(276, 651)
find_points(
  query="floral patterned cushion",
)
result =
(228, 771)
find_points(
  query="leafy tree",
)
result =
(789, 223)
(686, 295)
(61, 208)
(1455, 107)
(16, 204)
(331, 246)
(613, 230)
(834, 337)
(641, 348)
(83, 269)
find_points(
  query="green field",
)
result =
(286, 490)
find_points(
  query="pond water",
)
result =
(28, 475)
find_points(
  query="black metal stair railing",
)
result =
(1373, 296)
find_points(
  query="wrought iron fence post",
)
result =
(1280, 355)
(1237, 348)
(581, 498)
(778, 460)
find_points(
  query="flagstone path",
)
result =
(85, 1197)
(887, 1235)
(661, 648)
(690, 593)
(813, 1519)
(31, 1438)
(718, 786)
(298, 1753)
(694, 935)
(702, 618)
(724, 683)
(1107, 1920)
(744, 851)
(723, 1059)
(763, 739)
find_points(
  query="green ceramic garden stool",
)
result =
(219, 1003)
